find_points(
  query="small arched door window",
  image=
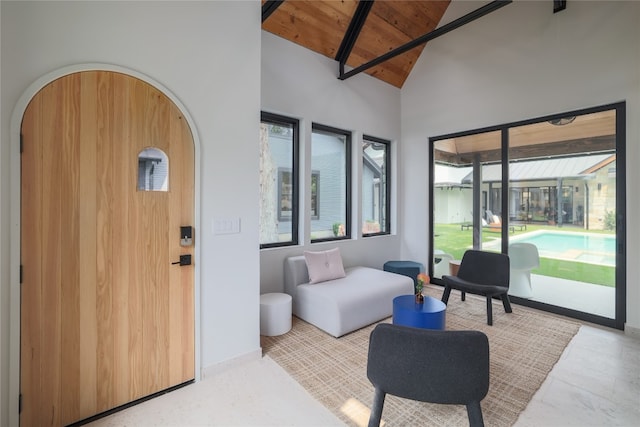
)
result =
(153, 170)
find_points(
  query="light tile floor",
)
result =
(248, 393)
(596, 382)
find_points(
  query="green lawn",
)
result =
(450, 239)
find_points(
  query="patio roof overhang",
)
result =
(588, 133)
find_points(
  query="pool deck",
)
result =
(580, 296)
(586, 297)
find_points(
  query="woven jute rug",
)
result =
(524, 347)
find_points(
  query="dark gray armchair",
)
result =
(448, 367)
(481, 273)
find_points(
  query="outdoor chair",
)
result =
(493, 218)
(523, 258)
(494, 226)
(445, 367)
(441, 263)
(481, 273)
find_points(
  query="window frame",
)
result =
(271, 118)
(387, 184)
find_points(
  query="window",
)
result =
(278, 181)
(330, 184)
(375, 186)
(153, 170)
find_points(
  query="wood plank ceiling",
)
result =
(586, 133)
(321, 27)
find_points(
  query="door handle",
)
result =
(184, 260)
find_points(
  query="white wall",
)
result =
(207, 54)
(299, 83)
(522, 62)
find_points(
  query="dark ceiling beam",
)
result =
(470, 17)
(559, 5)
(350, 37)
(269, 7)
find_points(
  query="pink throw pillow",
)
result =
(324, 265)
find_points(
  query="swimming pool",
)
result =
(582, 247)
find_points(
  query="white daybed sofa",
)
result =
(339, 306)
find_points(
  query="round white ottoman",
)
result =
(275, 314)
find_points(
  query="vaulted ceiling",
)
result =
(384, 39)
(358, 32)
(327, 26)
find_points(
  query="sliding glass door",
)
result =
(550, 193)
(465, 214)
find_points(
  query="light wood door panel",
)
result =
(105, 317)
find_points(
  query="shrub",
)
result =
(609, 220)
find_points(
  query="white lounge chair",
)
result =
(441, 263)
(523, 258)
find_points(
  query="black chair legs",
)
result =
(474, 412)
(376, 409)
(489, 312)
(506, 303)
(446, 294)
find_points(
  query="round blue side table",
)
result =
(429, 315)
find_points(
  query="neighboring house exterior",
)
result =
(373, 174)
(328, 192)
(578, 190)
(327, 183)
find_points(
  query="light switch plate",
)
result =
(226, 225)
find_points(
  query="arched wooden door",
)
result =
(106, 318)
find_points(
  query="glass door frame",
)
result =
(620, 147)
